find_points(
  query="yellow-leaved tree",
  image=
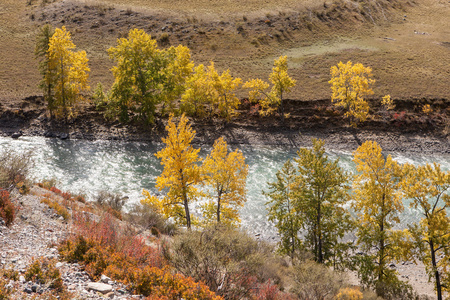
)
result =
(282, 83)
(206, 89)
(146, 76)
(69, 71)
(41, 53)
(225, 175)
(429, 188)
(350, 84)
(378, 202)
(181, 173)
(197, 93)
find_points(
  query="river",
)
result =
(87, 167)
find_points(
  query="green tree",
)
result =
(281, 85)
(47, 83)
(429, 188)
(377, 202)
(349, 85)
(70, 70)
(282, 209)
(322, 194)
(181, 173)
(225, 174)
(146, 76)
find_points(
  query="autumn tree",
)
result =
(272, 101)
(225, 175)
(146, 76)
(69, 72)
(283, 210)
(429, 189)
(180, 175)
(207, 90)
(322, 194)
(198, 91)
(377, 202)
(350, 84)
(47, 83)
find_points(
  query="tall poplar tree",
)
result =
(47, 83)
(377, 202)
(350, 84)
(429, 188)
(283, 210)
(322, 195)
(181, 172)
(225, 176)
(69, 70)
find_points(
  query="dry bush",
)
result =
(14, 167)
(316, 281)
(111, 202)
(229, 262)
(145, 217)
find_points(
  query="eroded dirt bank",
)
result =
(406, 129)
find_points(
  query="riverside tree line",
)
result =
(311, 194)
(151, 83)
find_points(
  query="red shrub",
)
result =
(7, 210)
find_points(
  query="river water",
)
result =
(87, 167)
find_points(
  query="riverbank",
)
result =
(405, 130)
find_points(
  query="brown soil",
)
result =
(406, 129)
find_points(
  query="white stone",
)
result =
(21, 279)
(99, 287)
(105, 279)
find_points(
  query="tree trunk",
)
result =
(436, 271)
(319, 235)
(218, 208)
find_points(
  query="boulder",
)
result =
(99, 287)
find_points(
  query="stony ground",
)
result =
(34, 234)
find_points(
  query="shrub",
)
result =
(59, 209)
(14, 167)
(111, 203)
(7, 210)
(145, 216)
(349, 294)
(44, 271)
(105, 249)
(5, 293)
(228, 261)
(316, 281)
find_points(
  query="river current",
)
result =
(87, 167)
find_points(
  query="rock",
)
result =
(63, 136)
(34, 288)
(105, 279)
(99, 287)
(59, 264)
(110, 295)
(21, 279)
(16, 135)
(27, 290)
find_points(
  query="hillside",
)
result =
(406, 42)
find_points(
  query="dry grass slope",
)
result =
(404, 41)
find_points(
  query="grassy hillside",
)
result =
(406, 42)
